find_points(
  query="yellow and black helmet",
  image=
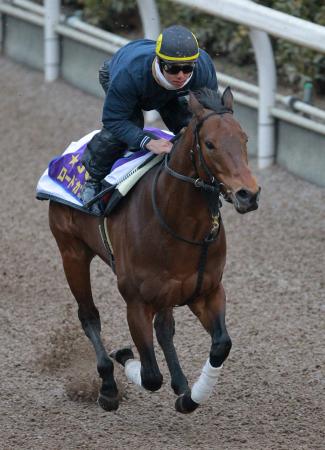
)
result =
(177, 44)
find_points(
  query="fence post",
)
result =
(149, 18)
(151, 28)
(51, 39)
(267, 91)
(1, 33)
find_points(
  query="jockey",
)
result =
(145, 75)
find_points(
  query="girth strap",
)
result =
(106, 241)
(200, 269)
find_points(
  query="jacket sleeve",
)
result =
(120, 107)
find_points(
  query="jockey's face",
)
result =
(178, 79)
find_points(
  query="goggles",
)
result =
(173, 69)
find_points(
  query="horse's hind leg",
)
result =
(211, 312)
(76, 257)
(165, 329)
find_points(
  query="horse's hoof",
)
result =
(180, 389)
(108, 403)
(184, 404)
(122, 355)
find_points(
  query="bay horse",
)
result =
(169, 246)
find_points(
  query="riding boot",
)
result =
(104, 149)
(89, 190)
(98, 158)
(101, 153)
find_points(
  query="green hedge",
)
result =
(295, 64)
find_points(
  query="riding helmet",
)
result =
(177, 44)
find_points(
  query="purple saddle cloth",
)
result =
(69, 173)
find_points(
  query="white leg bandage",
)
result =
(133, 371)
(203, 387)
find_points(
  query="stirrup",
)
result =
(99, 195)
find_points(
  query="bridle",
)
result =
(211, 191)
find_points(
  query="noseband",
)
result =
(211, 190)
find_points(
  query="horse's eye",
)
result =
(209, 145)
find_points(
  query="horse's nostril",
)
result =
(246, 201)
(243, 194)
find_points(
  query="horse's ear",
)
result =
(195, 106)
(227, 98)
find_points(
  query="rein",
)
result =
(211, 191)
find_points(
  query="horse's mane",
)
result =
(210, 99)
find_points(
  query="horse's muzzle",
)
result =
(245, 200)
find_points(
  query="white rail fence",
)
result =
(262, 22)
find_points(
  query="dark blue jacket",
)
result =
(132, 86)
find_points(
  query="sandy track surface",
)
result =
(271, 391)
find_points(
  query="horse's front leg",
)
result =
(211, 312)
(145, 373)
(165, 329)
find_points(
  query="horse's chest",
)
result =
(170, 290)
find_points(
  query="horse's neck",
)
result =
(182, 197)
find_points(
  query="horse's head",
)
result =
(222, 148)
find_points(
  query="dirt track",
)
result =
(271, 392)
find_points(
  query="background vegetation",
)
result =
(220, 38)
